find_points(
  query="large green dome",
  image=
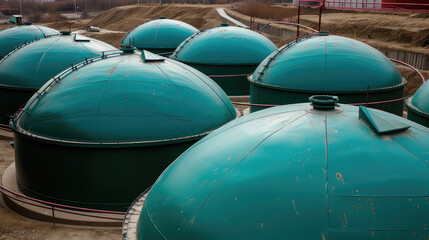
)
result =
(33, 65)
(225, 45)
(17, 36)
(102, 131)
(159, 36)
(418, 105)
(126, 100)
(294, 172)
(26, 69)
(228, 54)
(327, 65)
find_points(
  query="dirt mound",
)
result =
(68, 25)
(414, 80)
(128, 17)
(404, 29)
(113, 39)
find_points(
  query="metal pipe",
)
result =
(408, 65)
(288, 23)
(299, 14)
(60, 205)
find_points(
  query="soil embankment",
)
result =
(126, 18)
(390, 33)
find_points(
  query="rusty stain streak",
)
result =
(294, 206)
(112, 69)
(340, 177)
(345, 220)
(323, 237)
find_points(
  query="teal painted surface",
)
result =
(123, 100)
(33, 65)
(25, 70)
(117, 123)
(421, 98)
(161, 34)
(379, 123)
(418, 105)
(231, 84)
(329, 64)
(16, 36)
(226, 51)
(97, 178)
(225, 46)
(260, 94)
(417, 117)
(296, 173)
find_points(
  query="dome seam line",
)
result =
(425, 163)
(327, 174)
(43, 56)
(107, 85)
(178, 93)
(250, 152)
(232, 113)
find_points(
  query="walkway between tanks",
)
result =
(230, 20)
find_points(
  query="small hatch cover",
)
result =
(150, 57)
(380, 123)
(80, 38)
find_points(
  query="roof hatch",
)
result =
(380, 123)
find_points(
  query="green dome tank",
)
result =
(301, 171)
(418, 105)
(102, 131)
(27, 68)
(16, 36)
(227, 53)
(327, 65)
(161, 36)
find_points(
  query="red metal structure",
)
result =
(405, 5)
(383, 5)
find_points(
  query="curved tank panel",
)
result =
(26, 69)
(229, 53)
(159, 36)
(327, 65)
(301, 171)
(126, 116)
(418, 105)
(16, 36)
